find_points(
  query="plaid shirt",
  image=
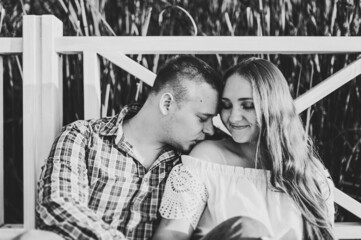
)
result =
(93, 187)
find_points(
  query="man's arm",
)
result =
(64, 189)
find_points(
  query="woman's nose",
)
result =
(236, 115)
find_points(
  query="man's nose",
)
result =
(208, 128)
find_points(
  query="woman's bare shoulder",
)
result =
(209, 150)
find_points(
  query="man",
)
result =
(104, 178)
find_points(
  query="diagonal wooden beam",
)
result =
(327, 86)
(348, 230)
(130, 66)
(347, 202)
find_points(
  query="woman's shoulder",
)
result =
(210, 151)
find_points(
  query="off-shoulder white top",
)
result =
(209, 193)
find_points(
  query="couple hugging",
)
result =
(124, 177)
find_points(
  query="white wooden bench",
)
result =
(43, 44)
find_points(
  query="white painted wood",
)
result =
(91, 73)
(345, 230)
(328, 85)
(12, 226)
(210, 45)
(42, 101)
(11, 45)
(347, 202)
(31, 112)
(51, 87)
(2, 212)
(130, 66)
(10, 233)
(38, 89)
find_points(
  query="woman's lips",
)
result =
(239, 127)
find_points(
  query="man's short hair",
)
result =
(185, 68)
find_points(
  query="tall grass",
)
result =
(334, 122)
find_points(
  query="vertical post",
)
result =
(52, 87)
(2, 212)
(91, 73)
(42, 101)
(31, 112)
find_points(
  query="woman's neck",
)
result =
(244, 151)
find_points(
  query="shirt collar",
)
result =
(114, 126)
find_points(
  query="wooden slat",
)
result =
(31, 112)
(42, 101)
(327, 86)
(347, 202)
(51, 87)
(11, 45)
(130, 66)
(344, 230)
(91, 73)
(2, 212)
(210, 45)
(10, 233)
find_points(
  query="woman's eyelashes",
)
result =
(249, 105)
(246, 105)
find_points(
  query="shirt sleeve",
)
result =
(185, 196)
(64, 191)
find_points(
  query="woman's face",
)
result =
(237, 110)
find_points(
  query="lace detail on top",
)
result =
(184, 196)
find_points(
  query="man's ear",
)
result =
(165, 102)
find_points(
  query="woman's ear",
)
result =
(165, 102)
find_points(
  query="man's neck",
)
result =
(141, 132)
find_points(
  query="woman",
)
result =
(267, 170)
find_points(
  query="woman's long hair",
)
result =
(285, 147)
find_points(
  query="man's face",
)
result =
(191, 119)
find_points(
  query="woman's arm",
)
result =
(177, 229)
(183, 202)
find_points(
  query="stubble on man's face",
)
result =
(193, 115)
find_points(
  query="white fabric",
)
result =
(208, 193)
(185, 196)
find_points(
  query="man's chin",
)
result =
(185, 148)
(189, 148)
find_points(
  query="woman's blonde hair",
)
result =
(284, 145)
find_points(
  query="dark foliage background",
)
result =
(334, 122)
